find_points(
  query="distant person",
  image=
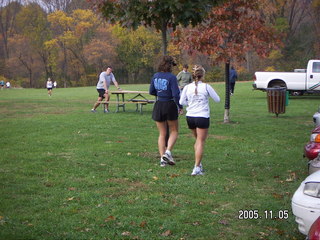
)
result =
(49, 86)
(55, 84)
(232, 79)
(196, 97)
(1, 84)
(164, 85)
(103, 85)
(8, 85)
(184, 77)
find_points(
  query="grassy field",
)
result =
(67, 173)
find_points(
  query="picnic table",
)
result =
(140, 98)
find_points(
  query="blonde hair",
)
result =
(198, 75)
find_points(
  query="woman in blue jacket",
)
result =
(166, 109)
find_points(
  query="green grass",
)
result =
(66, 173)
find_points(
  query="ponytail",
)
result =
(196, 89)
(198, 74)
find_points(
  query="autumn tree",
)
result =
(159, 14)
(136, 49)
(61, 5)
(8, 11)
(231, 30)
(101, 50)
(24, 62)
(315, 9)
(32, 24)
(71, 33)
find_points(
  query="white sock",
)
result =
(168, 151)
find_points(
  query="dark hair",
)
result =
(185, 66)
(166, 64)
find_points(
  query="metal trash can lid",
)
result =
(276, 89)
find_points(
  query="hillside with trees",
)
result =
(71, 42)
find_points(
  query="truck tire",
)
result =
(277, 84)
(296, 93)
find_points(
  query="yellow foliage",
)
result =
(270, 69)
(173, 50)
(51, 43)
(275, 54)
(60, 19)
(68, 38)
(316, 3)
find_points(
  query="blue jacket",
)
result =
(164, 85)
(233, 76)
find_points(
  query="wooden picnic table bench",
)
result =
(139, 99)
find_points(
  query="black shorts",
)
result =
(49, 89)
(165, 110)
(101, 92)
(198, 122)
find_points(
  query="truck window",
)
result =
(316, 67)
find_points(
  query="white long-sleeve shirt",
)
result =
(198, 105)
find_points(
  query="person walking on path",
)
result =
(49, 86)
(167, 108)
(196, 97)
(233, 76)
(184, 77)
(103, 85)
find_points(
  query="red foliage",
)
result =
(233, 28)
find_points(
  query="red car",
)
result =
(312, 149)
(314, 232)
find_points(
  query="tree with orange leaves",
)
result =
(233, 28)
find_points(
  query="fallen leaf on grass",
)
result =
(72, 189)
(110, 218)
(224, 222)
(155, 178)
(277, 196)
(143, 224)
(85, 230)
(174, 175)
(263, 234)
(166, 233)
(70, 199)
(292, 177)
(48, 184)
(126, 234)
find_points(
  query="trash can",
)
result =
(276, 100)
(287, 98)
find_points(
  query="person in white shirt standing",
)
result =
(103, 85)
(196, 97)
(49, 87)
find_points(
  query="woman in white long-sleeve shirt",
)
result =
(196, 97)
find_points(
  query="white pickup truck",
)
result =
(297, 82)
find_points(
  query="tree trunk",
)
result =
(164, 38)
(227, 99)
